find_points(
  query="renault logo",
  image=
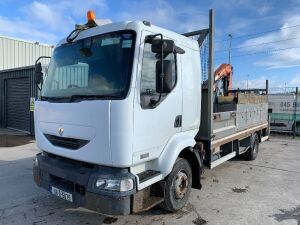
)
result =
(60, 131)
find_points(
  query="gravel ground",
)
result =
(265, 191)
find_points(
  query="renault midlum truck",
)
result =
(125, 121)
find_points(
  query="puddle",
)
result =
(288, 214)
(14, 140)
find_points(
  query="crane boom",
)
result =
(223, 75)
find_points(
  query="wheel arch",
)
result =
(258, 133)
(194, 159)
(181, 145)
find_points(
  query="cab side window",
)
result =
(148, 78)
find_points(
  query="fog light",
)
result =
(114, 185)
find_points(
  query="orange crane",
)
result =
(223, 79)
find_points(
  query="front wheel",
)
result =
(178, 186)
(252, 153)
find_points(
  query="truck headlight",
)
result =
(114, 185)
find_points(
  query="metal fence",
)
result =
(284, 110)
(202, 37)
(204, 54)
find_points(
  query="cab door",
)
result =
(155, 125)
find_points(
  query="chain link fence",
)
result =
(204, 56)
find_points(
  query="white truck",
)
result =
(124, 121)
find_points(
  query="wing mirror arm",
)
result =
(38, 72)
(157, 47)
(162, 47)
(154, 102)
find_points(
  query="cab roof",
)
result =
(137, 26)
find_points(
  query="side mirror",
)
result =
(168, 46)
(38, 74)
(165, 84)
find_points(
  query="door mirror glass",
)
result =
(38, 74)
(164, 84)
(168, 46)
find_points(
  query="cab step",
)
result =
(148, 177)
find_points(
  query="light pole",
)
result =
(247, 81)
(229, 48)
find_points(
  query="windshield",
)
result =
(96, 66)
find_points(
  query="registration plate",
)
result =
(62, 194)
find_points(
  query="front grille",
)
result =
(69, 143)
(70, 162)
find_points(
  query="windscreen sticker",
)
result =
(110, 41)
(126, 43)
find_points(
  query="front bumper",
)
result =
(78, 179)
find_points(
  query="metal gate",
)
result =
(17, 103)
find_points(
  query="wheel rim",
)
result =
(181, 184)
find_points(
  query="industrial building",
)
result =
(17, 86)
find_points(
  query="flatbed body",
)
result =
(233, 123)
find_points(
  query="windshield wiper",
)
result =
(46, 98)
(75, 97)
(72, 98)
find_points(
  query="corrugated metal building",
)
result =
(17, 59)
(15, 53)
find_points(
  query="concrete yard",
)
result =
(265, 191)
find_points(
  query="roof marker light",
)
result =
(91, 15)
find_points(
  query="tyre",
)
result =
(252, 153)
(178, 186)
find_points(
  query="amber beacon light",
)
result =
(91, 15)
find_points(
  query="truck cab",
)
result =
(119, 104)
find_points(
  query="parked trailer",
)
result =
(137, 132)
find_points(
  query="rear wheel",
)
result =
(178, 186)
(252, 152)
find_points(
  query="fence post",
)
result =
(295, 114)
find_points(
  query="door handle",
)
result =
(178, 121)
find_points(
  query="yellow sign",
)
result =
(32, 100)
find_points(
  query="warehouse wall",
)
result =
(17, 58)
(16, 53)
(16, 75)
